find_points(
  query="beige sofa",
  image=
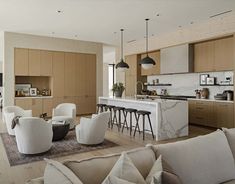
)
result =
(205, 159)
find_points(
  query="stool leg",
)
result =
(130, 123)
(143, 127)
(111, 118)
(137, 124)
(125, 121)
(119, 120)
(114, 118)
(150, 124)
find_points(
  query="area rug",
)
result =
(67, 146)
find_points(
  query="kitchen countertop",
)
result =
(211, 100)
(25, 97)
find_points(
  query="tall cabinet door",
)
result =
(204, 56)
(58, 74)
(70, 74)
(224, 54)
(81, 75)
(21, 62)
(91, 74)
(46, 63)
(34, 62)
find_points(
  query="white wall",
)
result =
(1, 50)
(12, 40)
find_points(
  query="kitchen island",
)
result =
(169, 118)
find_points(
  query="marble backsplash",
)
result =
(186, 84)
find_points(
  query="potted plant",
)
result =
(118, 89)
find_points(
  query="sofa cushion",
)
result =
(230, 134)
(125, 169)
(56, 172)
(204, 159)
(143, 159)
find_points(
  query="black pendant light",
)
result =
(147, 62)
(122, 65)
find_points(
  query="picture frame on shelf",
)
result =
(203, 79)
(33, 91)
(210, 80)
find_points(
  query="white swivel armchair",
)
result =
(92, 131)
(65, 112)
(10, 112)
(33, 135)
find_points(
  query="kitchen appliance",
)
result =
(220, 96)
(228, 94)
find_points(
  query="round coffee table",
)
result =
(67, 119)
(59, 131)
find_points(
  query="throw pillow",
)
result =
(230, 134)
(56, 172)
(155, 174)
(116, 180)
(124, 169)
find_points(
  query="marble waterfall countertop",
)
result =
(169, 118)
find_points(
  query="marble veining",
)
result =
(169, 117)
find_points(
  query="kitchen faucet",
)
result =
(142, 86)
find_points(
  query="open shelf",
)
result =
(216, 84)
(158, 84)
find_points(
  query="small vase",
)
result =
(118, 93)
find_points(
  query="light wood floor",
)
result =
(20, 174)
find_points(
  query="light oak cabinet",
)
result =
(21, 62)
(224, 114)
(47, 106)
(155, 70)
(202, 113)
(34, 104)
(46, 63)
(58, 74)
(223, 54)
(215, 55)
(34, 62)
(132, 75)
(212, 114)
(70, 75)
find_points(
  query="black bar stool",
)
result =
(118, 120)
(100, 108)
(110, 109)
(126, 111)
(144, 113)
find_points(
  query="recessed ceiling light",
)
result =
(158, 15)
(76, 36)
(179, 26)
(152, 34)
(114, 32)
(59, 11)
(191, 22)
(53, 32)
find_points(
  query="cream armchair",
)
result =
(65, 112)
(10, 112)
(33, 135)
(92, 130)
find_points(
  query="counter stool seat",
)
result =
(143, 114)
(130, 110)
(117, 108)
(100, 107)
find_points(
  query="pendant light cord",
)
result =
(147, 36)
(122, 44)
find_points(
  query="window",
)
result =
(111, 78)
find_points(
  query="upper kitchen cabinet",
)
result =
(34, 62)
(204, 56)
(214, 55)
(177, 59)
(155, 70)
(224, 54)
(46, 63)
(58, 74)
(21, 61)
